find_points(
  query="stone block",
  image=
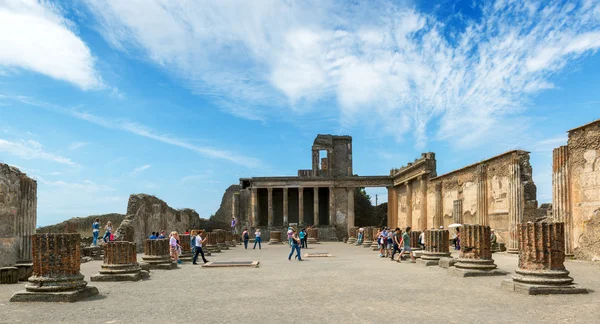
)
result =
(9, 275)
(428, 263)
(25, 270)
(117, 277)
(528, 289)
(59, 296)
(446, 263)
(458, 272)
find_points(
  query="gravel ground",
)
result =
(353, 287)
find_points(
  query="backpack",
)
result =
(246, 236)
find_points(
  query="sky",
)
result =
(179, 99)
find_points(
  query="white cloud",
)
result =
(31, 150)
(37, 37)
(393, 68)
(77, 145)
(140, 169)
(198, 178)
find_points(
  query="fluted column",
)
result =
(482, 193)
(221, 238)
(475, 258)
(437, 246)
(316, 206)
(414, 239)
(515, 205)
(438, 219)
(300, 206)
(352, 235)
(120, 263)
(285, 207)
(254, 207)
(331, 205)
(270, 207)
(391, 206)
(423, 189)
(409, 206)
(25, 220)
(561, 202)
(350, 207)
(374, 245)
(157, 254)
(212, 242)
(229, 239)
(368, 237)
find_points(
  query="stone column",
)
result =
(391, 206)
(270, 207)
(438, 218)
(374, 231)
(313, 236)
(409, 206)
(186, 248)
(221, 235)
(457, 211)
(56, 276)
(315, 163)
(414, 240)
(300, 206)
(515, 202)
(368, 237)
(350, 207)
(316, 206)
(352, 235)
(331, 206)
(212, 242)
(482, 193)
(541, 261)
(275, 237)
(561, 199)
(423, 188)
(254, 207)
(120, 263)
(9, 275)
(25, 224)
(229, 239)
(436, 247)
(285, 207)
(475, 258)
(157, 254)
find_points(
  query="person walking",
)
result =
(360, 236)
(422, 239)
(257, 239)
(381, 239)
(174, 247)
(289, 236)
(108, 229)
(198, 241)
(406, 245)
(246, 238)
(457, 240)
(302, 236)
(95, 231)
(397, 243)
(389, 242)
(193, 240)
(295, 246)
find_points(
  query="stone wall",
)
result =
(82, 225)
(147, 214)
(18, 215)
(225, 210)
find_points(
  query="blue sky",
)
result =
(180, 99)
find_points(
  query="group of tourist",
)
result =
(389, 242)
(257, 238)
(108, 232)
(302, 235)
(157, 235)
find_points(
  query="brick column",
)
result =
(211, 243)
(352, 235)
(221, 237)
(374, 245)
(368, 237)
(157, 254)
(414, 240)
(313, 236)
(316, 207)
(270, 207)
(541, 261)
(275, 237)
(56, 276)
(475, 257)
(285, 207)
(186, 248)
(436, 247)
(120, 263)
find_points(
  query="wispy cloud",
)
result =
(198, 178)
(45, 43)
(77, 145)
(140, 169)
(548, 144)
(403, 69)
(86, 185)
(31, 150)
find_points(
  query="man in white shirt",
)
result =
(198, 243)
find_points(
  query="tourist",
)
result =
(174, 247)
(397, 243)
(153, 236)
(422, 240)
(389, 242)
(198, 241)
(295, 246)
(306, 237)
(233, 225)
(302, 236)
(193, 240)
(457, 240)
(257, 239)
(187, 232)
(246, 237)
(359, 239)
(95, 231)
(108, 229)
(289, 236)
(376, 238)
(382, 240)
(162, 235)
(406, 245)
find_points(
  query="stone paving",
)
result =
(355, 286)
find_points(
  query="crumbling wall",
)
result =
(18, 215)
(225, 210)
(589, 243)
(147, 214)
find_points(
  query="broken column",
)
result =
(367, 237)
(374, 245)
(436, 247)
(229, 239)
(414, 240)
(212, 243)
(352, 235)
(541, 262)
(275, 237)
(56, 276)
(220, 234)
(9, 275)
(186, 248)
(475, 258)
(313, 236)
(120, 263)
(157, 254)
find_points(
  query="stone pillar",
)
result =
(313, 236)
(270, 207)
(120, 263)
(9, 275)
(212, 242)
(221, 236)
(275, 237)
(438, 218)
(515, 208)
(350, 207)
(25, 224)
(352, 235)
(56, 276)
(316, 207)
(423, 219)
(300, 206)
(391, 206)
(541, 261)
(285, 207)
(157, 254)
(368, 237)
(374, 245)
(229, 239)
(561, 199)
(409, 206)
(235, 203)
(414, 240)
(436, 247)
(457, 211)
(315, 163)
(482, 194)
(186, 248)
(254, 207)
(475, 258)
(331, 206)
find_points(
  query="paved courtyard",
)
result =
(355, 286)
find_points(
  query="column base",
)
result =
(460, 272)
(275, 242)
(428, 263)
(367, 244)
(351, 240)
(213, 249)
(25, 270)
(446, 263)
(9, 275)
(358, 243)
(137, 276)
(432, 258)
(61, 296)
(374, 246)
(476, 264)
(512, 251)
(529, 289)
(222, 246)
